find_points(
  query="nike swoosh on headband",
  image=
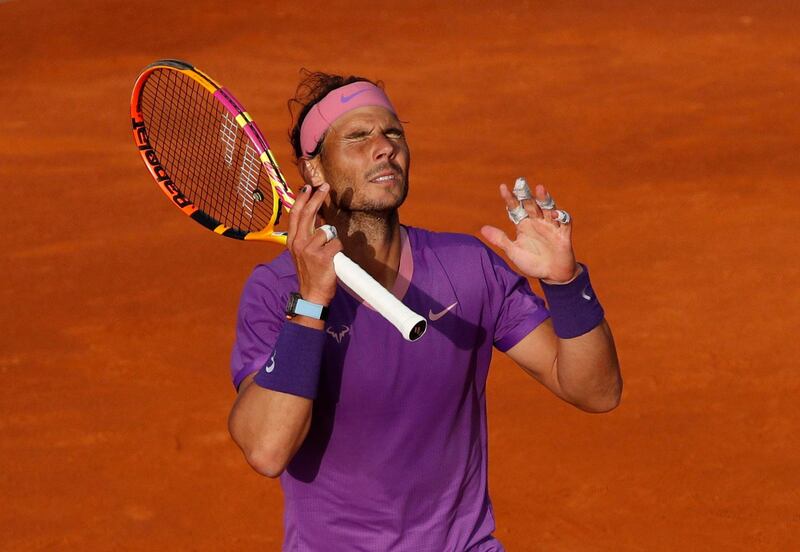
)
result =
(345, 99)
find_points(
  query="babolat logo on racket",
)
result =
(143, 142)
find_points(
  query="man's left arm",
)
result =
(572, 353)
(582, 370)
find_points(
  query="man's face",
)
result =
(365, 159)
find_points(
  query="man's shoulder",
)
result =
(280, 267)
(276, 276)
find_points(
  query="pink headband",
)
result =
(335, 104)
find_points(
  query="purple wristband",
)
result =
(295, 363)
(574, 307)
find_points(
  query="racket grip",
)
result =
(411, 325)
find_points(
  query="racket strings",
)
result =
(206, 154)
(184, 173)
(179, 118)
(173, 140)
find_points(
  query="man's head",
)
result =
(347, 134)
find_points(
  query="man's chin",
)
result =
(378, 209)
(384, 204)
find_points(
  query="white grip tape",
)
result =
(411, 325)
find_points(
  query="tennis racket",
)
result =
(211, 160)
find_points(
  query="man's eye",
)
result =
(394, 133)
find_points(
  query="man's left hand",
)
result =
(543, 245)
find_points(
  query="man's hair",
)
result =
(312, 88)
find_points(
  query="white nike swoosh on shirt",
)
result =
(436, 316)
(586, 295)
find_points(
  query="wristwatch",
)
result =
(297, 306)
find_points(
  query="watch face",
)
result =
(297, 306)
(291, 305)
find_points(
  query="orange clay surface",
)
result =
(668, 130)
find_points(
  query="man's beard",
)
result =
(343, 193)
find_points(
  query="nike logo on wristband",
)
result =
(437, 315)
(345, 99)
(270, 365)
(586, 293)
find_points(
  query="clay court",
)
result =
(669, 130)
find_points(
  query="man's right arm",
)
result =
(269, 426)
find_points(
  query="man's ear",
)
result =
(311, 171)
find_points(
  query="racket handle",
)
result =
(411, 325)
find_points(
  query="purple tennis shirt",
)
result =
(396, 457)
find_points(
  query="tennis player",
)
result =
(381, 443)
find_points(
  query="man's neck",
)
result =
(372, 240)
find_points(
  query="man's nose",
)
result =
(383, 147)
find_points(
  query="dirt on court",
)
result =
(668, 129)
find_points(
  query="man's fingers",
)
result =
(543, 198)
(511, 202)
(308, 213)
(496, 237)
(294, 215)
(561, 219)
(299, 200)
(322, 236)
(333, 246)
(508, 197)
(329, 231)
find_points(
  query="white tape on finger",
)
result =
(548, 204)
(517, 214)
(563, 217)
(330, 232)
(521, 189)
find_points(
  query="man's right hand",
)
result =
(311, 252)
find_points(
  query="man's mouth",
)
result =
(385, 176)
